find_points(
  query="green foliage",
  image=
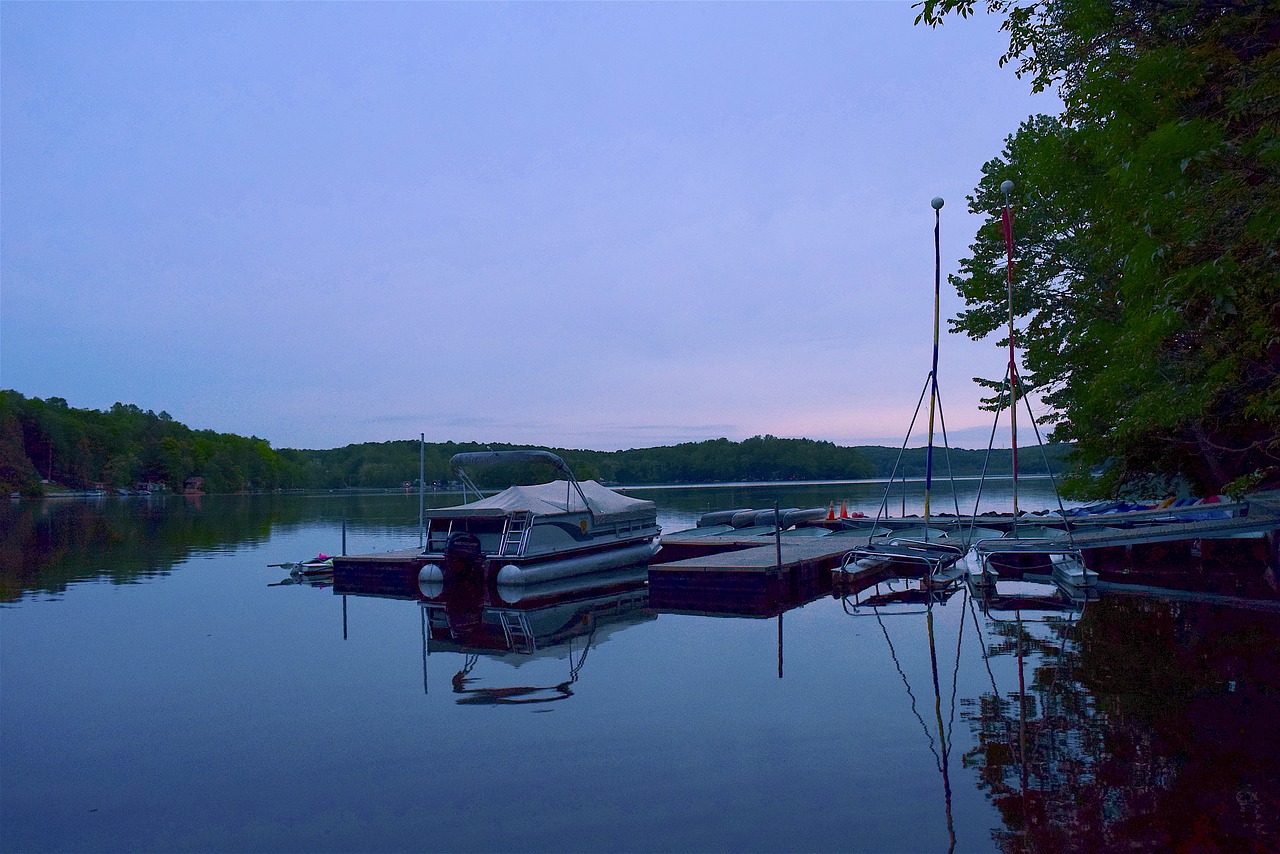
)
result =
(82, 448)
(124, 446)
(17, 474)
(1147, 220)
(755, 459)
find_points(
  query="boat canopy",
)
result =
(556, 498)
(459, 463)
(476, 459)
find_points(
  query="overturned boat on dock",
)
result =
(531, 534)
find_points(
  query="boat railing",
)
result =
(985, 550)
(1010, 546)
(933, 556)
(459, 462)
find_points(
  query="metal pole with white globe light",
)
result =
(936, 204)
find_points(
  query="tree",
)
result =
(1147, 218)
(17, 474)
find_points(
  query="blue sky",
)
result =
(580, 225)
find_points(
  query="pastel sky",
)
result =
(587, 225)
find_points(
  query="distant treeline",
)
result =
(123, 447)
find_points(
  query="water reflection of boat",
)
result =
(315, 579)
(1032, 593)
(518, 624)
(532, 534)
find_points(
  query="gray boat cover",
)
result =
(549, 499)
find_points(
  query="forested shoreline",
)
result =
(1143, 219)
(48, 445)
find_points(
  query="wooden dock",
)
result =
(1103, 536)
(748, 580)
(391, 575)
(1097, 534)
(749, 567)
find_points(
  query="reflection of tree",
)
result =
(1148, 725)
(46, 546)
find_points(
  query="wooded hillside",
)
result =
(1145, 222)
(124, 446)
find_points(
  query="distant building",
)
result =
(193, 484)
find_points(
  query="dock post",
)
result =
(777, 534)
(422, 471)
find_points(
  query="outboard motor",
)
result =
(464, 546)
(462, 554)
(463, 560)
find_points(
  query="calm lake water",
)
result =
(161, 690)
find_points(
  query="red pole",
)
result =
(1007, 222)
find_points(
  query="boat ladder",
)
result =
(515, 626)
(516, 535)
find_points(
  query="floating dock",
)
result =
(728, 554)
(749, 579)
(749, 565)
(392, 575)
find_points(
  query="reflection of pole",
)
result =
(779, 645)
(1022, 724)
(344, 533)
(944, 764)
(344, 616)
(424, 650)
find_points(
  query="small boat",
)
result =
(321, 564)
(532, 534)
(919, 534)
(718, 518)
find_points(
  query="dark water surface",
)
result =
(158, 693)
